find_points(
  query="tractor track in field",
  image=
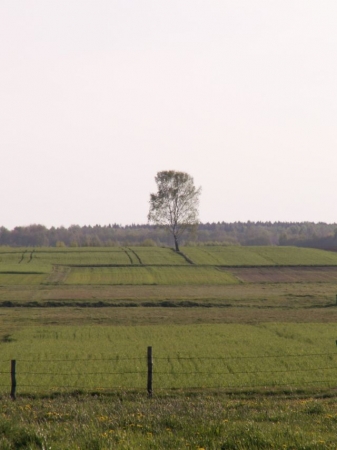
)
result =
(58, 275)
(22, 256)
(128, 255)
(134, 253)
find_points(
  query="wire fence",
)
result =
(168, 372)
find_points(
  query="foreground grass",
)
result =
(172, 421)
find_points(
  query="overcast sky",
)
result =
(98, 96)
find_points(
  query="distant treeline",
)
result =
(304, 234)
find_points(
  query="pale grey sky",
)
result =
(98, 96)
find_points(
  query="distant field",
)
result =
(162, 266)
(31, 268)
(23, 274)
(19, 279)
(218, 275)
(158, 256)
(113, 256)
(222, 256)
(216, 256)
(259, 256)
(68, 256)
(286, 274)
(150, 275)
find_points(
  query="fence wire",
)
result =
(170, 376)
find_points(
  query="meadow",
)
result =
(150, 275)
(243, 338)
(215, 386)
(220, 356)
(234, 256)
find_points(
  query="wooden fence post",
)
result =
(13, 379)
(149, 371)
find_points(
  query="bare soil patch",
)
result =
(286, 274)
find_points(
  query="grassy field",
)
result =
(244, 347)
(150, 275)
(226, 356)
(286, 371)
(179, 421)
(214, 256)
(158, 256)
(259, 256)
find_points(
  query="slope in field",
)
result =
(158, 256)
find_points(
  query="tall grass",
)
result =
(203, 421)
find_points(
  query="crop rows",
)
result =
(214, 256)
(191, 356)
(150, 275)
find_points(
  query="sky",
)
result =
(98, 96)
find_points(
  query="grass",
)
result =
(307, 297)
(150, 275)
(190, 356)
(129, 421)
(249, 364)
(218, 256)
(221, 256)
(33, 268)
(158, 256)
(259, 256)
(116, 256)
(21, 279)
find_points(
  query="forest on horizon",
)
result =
(301, 234)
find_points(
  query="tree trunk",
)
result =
(176, 243)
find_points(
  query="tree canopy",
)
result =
(175, 205)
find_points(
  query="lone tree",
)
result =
(175, 205)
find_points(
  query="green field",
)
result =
(21, 279)
(150, 275)
(32, 268)
(214, 256)
(259, 256)
(153, 265)
(244, 348)
(269, 385)
(113, 256)
(190, 356)
(158, 256)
